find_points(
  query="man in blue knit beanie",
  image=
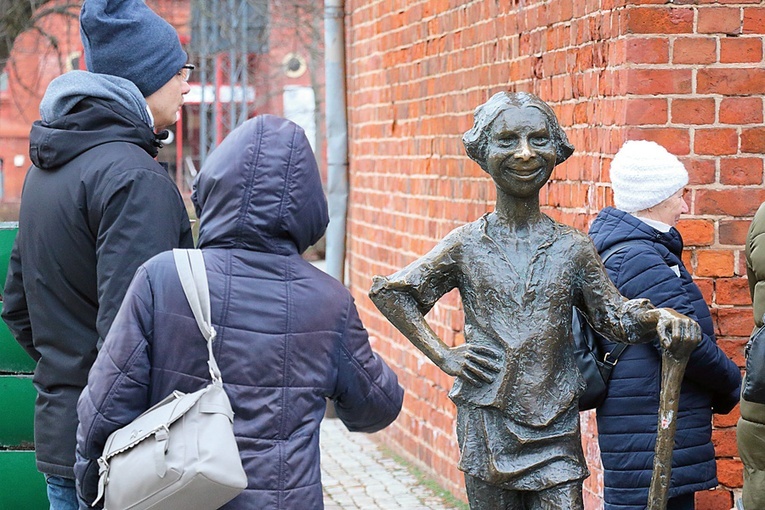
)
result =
(126, 38)
(95, 206)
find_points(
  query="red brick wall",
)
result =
(688, 74)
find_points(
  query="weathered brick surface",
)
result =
(714, 500)
(688, 74)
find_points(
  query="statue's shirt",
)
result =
(518, 298)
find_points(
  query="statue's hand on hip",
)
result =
(476, 364)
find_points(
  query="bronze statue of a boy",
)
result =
(519, 273)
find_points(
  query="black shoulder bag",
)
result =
(594, 363)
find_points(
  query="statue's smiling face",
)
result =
(521, 153)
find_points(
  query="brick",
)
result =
(730, 473)
(728, 202)
(714, 263)
(697, 232)
(732, 291)
(754, 20)
(716, 499)
(741, 266)
(753, 140)
(646, 111)
(693, 111)
(719, 20)
(676, 141)
(734, 348)
(740, 50)
(653, 50)
(716, 141)
(700, 171)
(741, 110)
(726, 420)
(694, 50)
(741, 171)
(734, 321)
(659, 81)
(724, 441)
(732, 82)
(733, 232)
(687, 260)
(659, 20)
(706, 287)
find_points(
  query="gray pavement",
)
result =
(357, 474)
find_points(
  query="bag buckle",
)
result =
(103, 479)
(611, 364)
(161, 437)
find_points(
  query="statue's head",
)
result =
(478, 138)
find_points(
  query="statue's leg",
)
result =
(484, 496)
(566, 495)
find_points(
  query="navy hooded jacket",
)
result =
(651, 267)
(288, 335)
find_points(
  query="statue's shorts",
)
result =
(508, 454)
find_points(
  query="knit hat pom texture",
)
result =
(126, 38)
(644, 174)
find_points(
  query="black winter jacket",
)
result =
(95, 205)
(653, 268)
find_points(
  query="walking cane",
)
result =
(672, 369)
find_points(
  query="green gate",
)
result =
(24, 486)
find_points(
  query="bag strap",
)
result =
(611, 358)
(190, 265)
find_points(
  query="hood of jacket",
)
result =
(260, 190)
(613, 226)
(82, 110)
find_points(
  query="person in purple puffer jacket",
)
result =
(289, 336)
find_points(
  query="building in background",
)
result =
(252, 57)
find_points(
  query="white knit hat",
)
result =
(644, 174)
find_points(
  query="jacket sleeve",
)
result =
(15, 311)
(142, 215)
(652, 278)
(117, 390)
(755, 264)
(367, 396)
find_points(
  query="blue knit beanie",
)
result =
(126, 38)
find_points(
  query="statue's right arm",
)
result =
(403, 311)
(475, 364)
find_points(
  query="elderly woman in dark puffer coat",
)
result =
(289, 336)
(648, 184)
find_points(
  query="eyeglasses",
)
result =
(185, 72)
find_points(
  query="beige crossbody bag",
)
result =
(181, 453)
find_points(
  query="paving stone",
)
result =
(356, 474)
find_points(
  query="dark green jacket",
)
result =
(755, 271)
(755, 264)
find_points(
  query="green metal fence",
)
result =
(23, 486)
